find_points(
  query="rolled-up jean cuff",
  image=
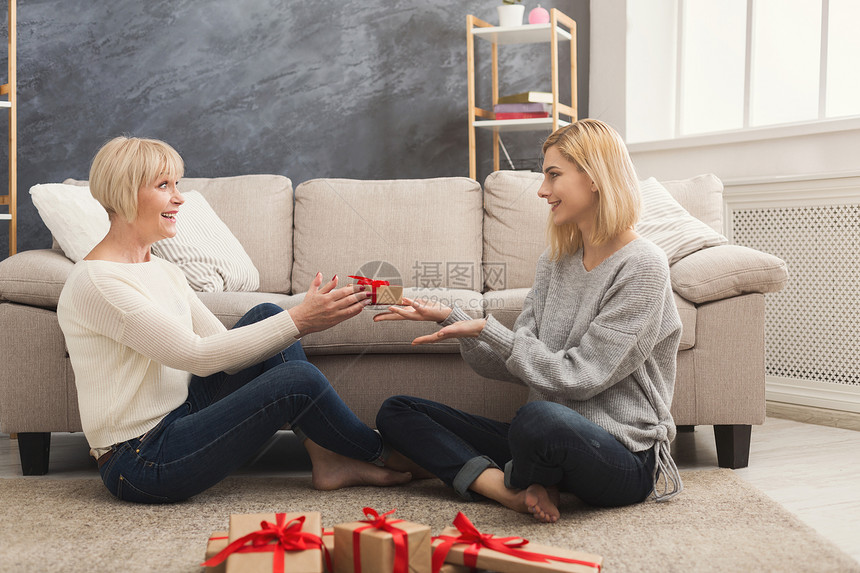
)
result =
(383, 457)
(509, 467)
(469, 473)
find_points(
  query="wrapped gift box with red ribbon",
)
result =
(219, 540)
(273, 543)
(381, 545)
(465, 545)
(382, 292)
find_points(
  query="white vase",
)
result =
(511, 14)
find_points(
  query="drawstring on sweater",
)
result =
(666, 468)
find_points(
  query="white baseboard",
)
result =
(808, 393)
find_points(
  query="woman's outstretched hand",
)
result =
(325, 305)
(415, 310)
(460, 329)
(427, 310)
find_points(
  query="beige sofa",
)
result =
(447, 238)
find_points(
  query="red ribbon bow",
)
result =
(376, 521)
(476, 540)
(373, 285)
(278, 538)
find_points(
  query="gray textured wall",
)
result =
(367, 90)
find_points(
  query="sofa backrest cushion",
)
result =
(424, 232)
(701, 196)
(258, 209)
(515, 224)
(666, 223)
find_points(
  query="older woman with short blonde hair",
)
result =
(171, 402)
(596, 345)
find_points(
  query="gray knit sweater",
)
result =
(602, 342)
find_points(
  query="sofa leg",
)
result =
(35, 449)
(733, 445)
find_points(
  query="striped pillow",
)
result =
(212, 259)
(668, 225)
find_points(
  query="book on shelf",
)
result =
(522, 107)
(522, 115)
(527, 97)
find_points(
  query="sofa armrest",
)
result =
(34, 278)
(725, 271)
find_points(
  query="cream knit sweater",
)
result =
(134, 333)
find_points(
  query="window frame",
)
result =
(749, 132)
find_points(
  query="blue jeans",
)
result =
(546, 443)
(225, 421)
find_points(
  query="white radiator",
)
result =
(812, 326)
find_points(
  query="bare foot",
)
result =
(334, 471)
(542, 503)
(537, 500)
(398, 462)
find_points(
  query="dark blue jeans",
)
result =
(546, 443)
(225, 421)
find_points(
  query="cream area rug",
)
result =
(719, 523)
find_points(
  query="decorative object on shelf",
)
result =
(511, 13)
(538, 16)
(527, 97)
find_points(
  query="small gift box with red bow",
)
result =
(273, 543)
(381, 292)
(465, 545)
(379, 544)
(219, 540)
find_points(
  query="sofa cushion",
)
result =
(506, 306)
(668, 225)
(212, 259)
(76, 220)
(239, 202)
(35, 277)
(726, 271)
(360, 335)
(427, 231)
(258, 209)
(701, 196)
(515, 226)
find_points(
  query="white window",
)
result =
(701, 66)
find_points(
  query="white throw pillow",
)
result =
(204, 248)
(76, 220)
(667, 224)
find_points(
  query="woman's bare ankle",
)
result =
(491, 484)
(333, 471)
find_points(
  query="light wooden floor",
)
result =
(813, 471)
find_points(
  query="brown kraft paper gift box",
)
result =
(306, 561)
(376, 547)
(389, 294)
(220, 539)
(505, 563)
(217, 542)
